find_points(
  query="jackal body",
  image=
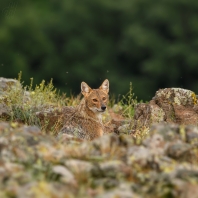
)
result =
(85, 121)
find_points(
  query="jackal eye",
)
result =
(95, 100)
(103, 98)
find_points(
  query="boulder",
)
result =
(5, 111)
(6, 83)
(170, 105)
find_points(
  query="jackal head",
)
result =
(96, 99)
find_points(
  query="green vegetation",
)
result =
(150, 43)
(24, 101)
(128, 102)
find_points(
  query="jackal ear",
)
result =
(105, 86)
(85, 89)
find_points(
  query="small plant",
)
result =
(24, 102)
(128, 102)
(140, 134)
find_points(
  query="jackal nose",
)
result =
(103, 107)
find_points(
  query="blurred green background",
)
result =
(153, 44)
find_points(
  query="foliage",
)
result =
(151, 43)
(24, 102)
(128, 102)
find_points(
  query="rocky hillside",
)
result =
(152, 153)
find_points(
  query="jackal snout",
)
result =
(97, 108)
(103, 107)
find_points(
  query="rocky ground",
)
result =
(154, 154)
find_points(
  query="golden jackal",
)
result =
(85, 121)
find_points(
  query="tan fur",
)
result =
(85, 121)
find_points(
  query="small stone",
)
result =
(138, 154)
(6, 83)
(179, 150)
(78, 166)
(124, 129)
(122, 191)
(63, 171)
(4, 110)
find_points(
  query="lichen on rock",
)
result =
(170, 105)
(177, 96)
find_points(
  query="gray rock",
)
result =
(5, 111)
(6, 83)
(124, 129)
(110, 169)
(67, 176)
(104, 144)
(179, 150)
(169, 131)
(156, 144)
(78, 166)
(122, 191)
(31, 129)
(191, 134)
(172, 105)
(139, 155)
(4, 126)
